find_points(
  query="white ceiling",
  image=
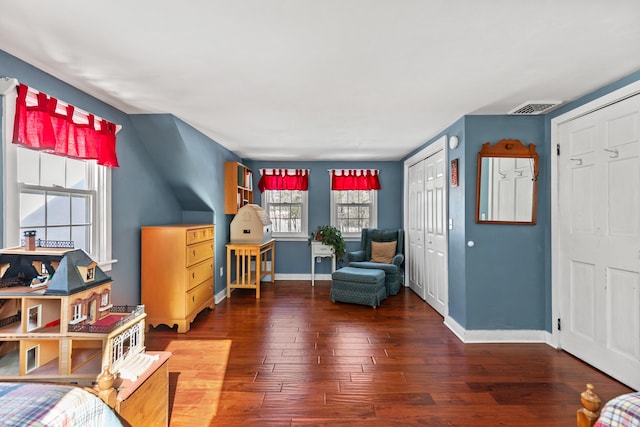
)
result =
(325, 79)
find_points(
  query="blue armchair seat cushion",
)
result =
(358, 286)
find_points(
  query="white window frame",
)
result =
(102, 218)
(303, 234)
(78, 315)
(373, 214)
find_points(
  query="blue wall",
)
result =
(295, 257)
(505, 283)
(500, 282)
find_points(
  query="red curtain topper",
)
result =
(284, 179)
(346, 179)
(41, 127)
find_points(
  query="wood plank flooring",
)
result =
(297, 359)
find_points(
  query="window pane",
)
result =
(32, 209)
(58, 209)
(285, 197)
(77, 174)
(58, 233)
(53, 170)
(80, 209)
(81, 237)
(28, 166)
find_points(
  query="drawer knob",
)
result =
(193, 275)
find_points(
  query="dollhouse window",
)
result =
(77, 315)
(104, 301)
(128, 342)
(33, 358)
(35, 317)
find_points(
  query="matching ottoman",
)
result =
(358, 286)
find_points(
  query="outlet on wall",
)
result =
(221, 271)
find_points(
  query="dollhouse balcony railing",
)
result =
(133, 310)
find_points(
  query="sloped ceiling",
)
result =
(174, 160)
(330, 79)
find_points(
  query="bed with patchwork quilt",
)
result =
(53, 405)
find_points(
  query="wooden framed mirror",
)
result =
(507, 185)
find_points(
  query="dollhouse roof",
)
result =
(68, 279)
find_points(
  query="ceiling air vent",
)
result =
(532, 108)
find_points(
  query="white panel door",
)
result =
(599, 239)
(435, 231)
(416, 268)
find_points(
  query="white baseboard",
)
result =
(221, 295)
(497, 336)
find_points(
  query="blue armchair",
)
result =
(393, 270)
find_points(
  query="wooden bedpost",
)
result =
(105, 386)
(591, 404)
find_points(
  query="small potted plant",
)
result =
(330, 235)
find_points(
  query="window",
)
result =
(288, 212)
(78, 313)
(353, 210)
(59, 197)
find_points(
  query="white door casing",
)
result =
(596, 235)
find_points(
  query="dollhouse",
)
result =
(57, 321)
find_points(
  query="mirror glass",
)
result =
(507, 183)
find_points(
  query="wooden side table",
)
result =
(244, 254)
(324, 251)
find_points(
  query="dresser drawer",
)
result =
(199, 273)
(199, 252)
(197, 296)
(196, 235)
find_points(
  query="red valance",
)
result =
(346, 179)
(40, 126)
(284, 179)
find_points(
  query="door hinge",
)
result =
(559, 325)
(558, 149)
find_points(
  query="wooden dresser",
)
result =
(177, 273)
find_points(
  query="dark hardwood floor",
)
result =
(297, 359)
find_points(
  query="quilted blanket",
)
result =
(55, 405)
(622, 411)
